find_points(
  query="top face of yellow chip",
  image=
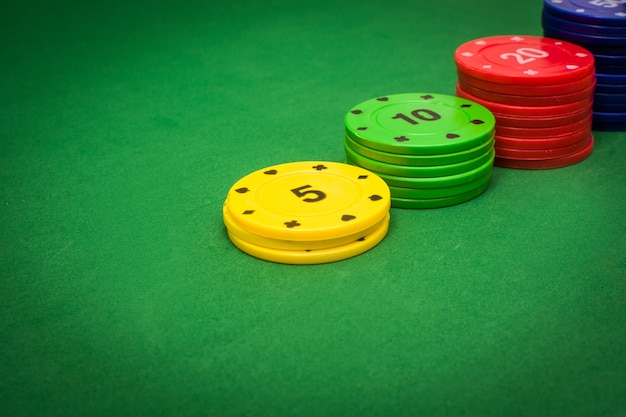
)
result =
(308, 200)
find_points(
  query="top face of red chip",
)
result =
(524, 60)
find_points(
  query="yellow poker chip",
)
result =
(236, 230)
(309, 257)
(305, 201)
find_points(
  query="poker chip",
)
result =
(431, 203)
(600, 27)
(541, 122)
(609, 98)
(590, 41)
(433, 149)
(307, 212)
(419, 124)
(600, 107)
(609, 126)
(611, 79)
(591, 12)
(542, 143)
(437, 182)
(573, 26)
(528, 101)
(434, 193)
(313, 256)
(540, 91)
(529, 110)
(602, 49)
(527, 90)
(419, 160)
(545, 132)
(306, 245)
(551, 152)
(416, 171)
(549, 162)
(610, 89)
(524, 60)
(611, 69)
(609, 117)
(610, 59)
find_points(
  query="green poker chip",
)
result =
(428, 203)
(430, 193)
(435, 182)
(420, 124)
(421, 160)
(419, 172)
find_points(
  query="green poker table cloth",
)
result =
(124, 124)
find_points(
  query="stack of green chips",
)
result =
(432, 150)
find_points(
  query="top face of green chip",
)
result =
(420, 124)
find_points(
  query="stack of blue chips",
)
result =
(600, 27)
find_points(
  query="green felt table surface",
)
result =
(124, 123)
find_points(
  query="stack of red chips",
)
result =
(540, 91)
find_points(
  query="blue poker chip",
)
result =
(606, 50)
(592, 12)
(609, 107)
(610, 59)
(584, 39)
(609, 126)
(602, 88)
(606, 98)
(609, 117)
(612, 79)
(594, 49)
(583, 28)
(611, 69)
(606, 126)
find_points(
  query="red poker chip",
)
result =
(514, 100)
(518, 153)
(546, 132)
(547, 163)
(543, 143)
(528, 90)
(526, 110)
(524, 60)
(539, 122)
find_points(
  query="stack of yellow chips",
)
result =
(307, 212)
